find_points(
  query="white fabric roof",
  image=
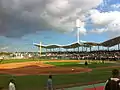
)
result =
(108, 43)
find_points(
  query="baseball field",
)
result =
(33, 74)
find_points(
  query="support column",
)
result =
(108, 48)
(98, 48)
(74, 49)
(86, 49)
(78, 49)
(46, 52)
(59, 53)
(90, 48)
(118, 46)
(40, 48)
(82, 48)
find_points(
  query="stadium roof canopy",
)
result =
(73, 45)
(111, 42)
(92, 43)
(108, 43)
(47, 46)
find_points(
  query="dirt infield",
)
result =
(39, 68)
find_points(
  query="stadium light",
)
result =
(79, 24)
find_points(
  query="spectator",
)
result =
(114, 82)
(49, 83)
(12, 85)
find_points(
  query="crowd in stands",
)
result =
(93, 55)
(19, 55)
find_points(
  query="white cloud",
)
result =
(63, 13)
(48, 14)
(114, 28)
(108, 21)
(4, 48)
(115, 6)
(98, 31)
(103, 18)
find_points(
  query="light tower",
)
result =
(79, 25)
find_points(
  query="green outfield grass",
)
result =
(76, 64)
(17, 60)
(21, 60)
(38, 82)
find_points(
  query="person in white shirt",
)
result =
(12, 85)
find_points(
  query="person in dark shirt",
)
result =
(114, 82)
(86, 63)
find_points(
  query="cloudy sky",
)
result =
(24, 22)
